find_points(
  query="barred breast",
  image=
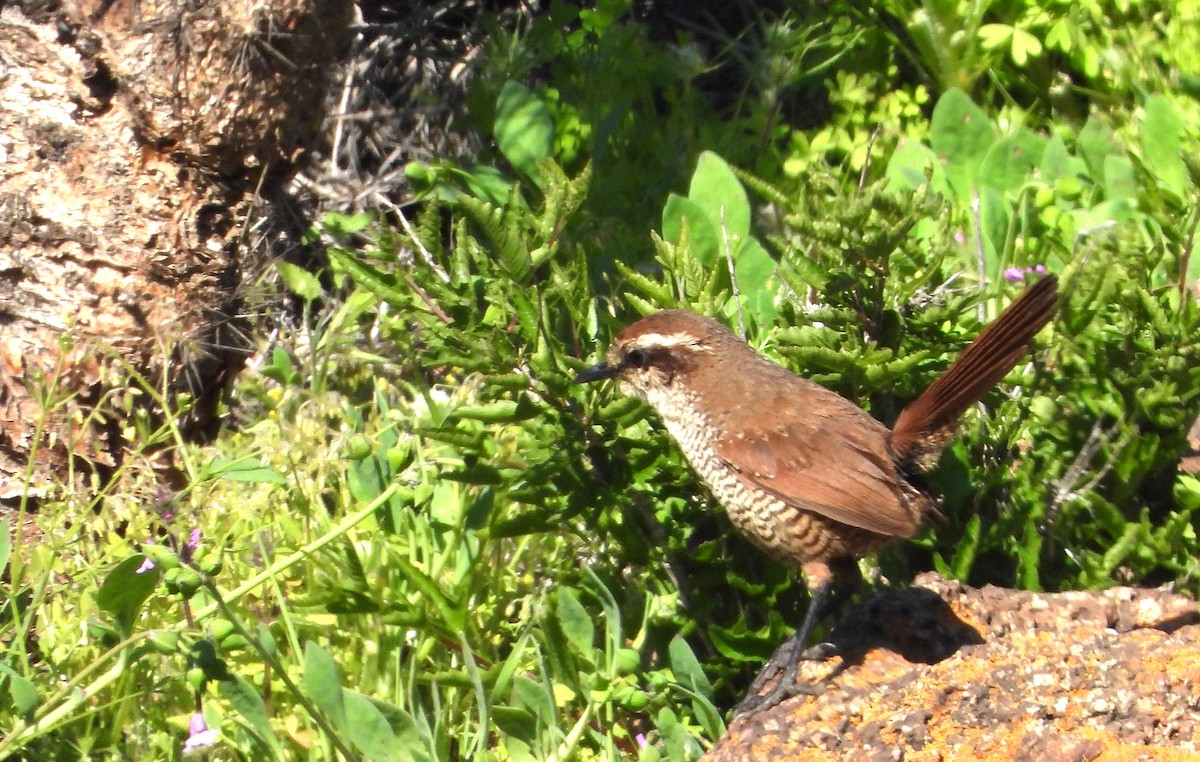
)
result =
(790, 534)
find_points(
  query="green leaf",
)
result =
(524, 128)
(801, 273)
(534, 696)
(704, 237)
(960, 133)
(21, 690)
(266, 640)
(754, 268)
(680, 745)
(467, 440)
(1187, 492)
(299, 281)
(281, 368)
(124, 591)
(1162, 130)
(686, 667)
(346, 224)
(487, 183)
(992, 36)
(648, 287)
(323, 684)
(613, 637)
(1120, 179)
(412, 742)
(481, 509)
(993, 218)
(446, 505)
(1095, 145)
(641, 306)
(370, 733)
(1059, 36)
(941, 567)
(1010, 162)
(1029, 555)
(576, 622)
(517, 722)
(717, 190)
(374, 281)
(1024, 46)
(451, 613)
(1057, 162)
(912, 165)
(244, 469)
(740, 645)
(527, 523)
(503, 230)
(482, 705)
(24, 694)
(968, 546)
(500, 411)
(365, 480)
(1122, 547)
(244, 698)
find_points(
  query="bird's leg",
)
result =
(827, 599)
(831, 588)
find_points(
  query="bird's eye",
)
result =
(636, 358)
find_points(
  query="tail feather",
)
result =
(928, 424)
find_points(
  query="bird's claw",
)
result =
(784, 663)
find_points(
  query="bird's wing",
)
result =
(842, 470)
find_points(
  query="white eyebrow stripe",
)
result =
(666, 340)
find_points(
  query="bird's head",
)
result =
(658, 352)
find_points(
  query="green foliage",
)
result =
(716, 216)
(1033, 198)
(505, 321)
(524, 129)
(421, 541)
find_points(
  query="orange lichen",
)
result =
(1052, 679)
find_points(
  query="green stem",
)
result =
(281, 672)
(284, 563)
(73, 697)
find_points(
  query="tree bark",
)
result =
(136, 139)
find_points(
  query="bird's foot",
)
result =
(784, 665)
(779, 693)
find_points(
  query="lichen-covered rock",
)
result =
(945, 672)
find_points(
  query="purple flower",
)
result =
(189, 547)
(147, 564)
(1017, 274)
(200, 736)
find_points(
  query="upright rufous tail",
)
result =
(930, 422)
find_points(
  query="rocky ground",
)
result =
(941, 671)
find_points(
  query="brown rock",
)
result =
(1041, 746)
(945, 672)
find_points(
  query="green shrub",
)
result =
(423, 542)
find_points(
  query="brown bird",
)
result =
(805, 474)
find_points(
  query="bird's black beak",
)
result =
(597, 372)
